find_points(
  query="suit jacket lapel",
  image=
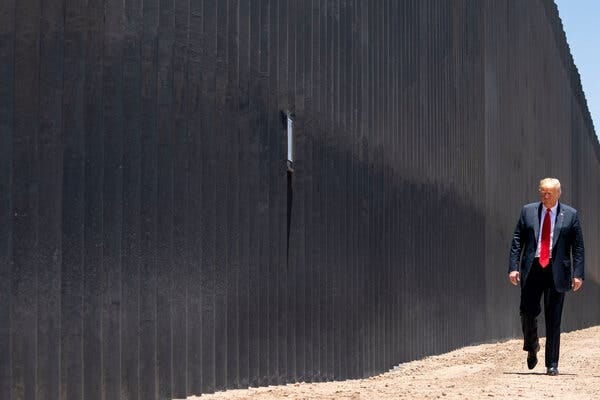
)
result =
(559, 221)
(536, 225)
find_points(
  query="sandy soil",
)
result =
(495, 370)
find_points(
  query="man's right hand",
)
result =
(514, 277)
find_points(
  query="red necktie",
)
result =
(545, 248)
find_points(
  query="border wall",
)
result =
(154, 245)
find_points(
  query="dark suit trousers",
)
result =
(540, 283)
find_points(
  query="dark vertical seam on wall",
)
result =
(290, 197)
(102, 157)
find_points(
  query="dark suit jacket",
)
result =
(567, 258)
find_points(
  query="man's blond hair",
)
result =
(550, 182)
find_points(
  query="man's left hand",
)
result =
(577, 282)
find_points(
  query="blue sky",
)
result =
(581, 22)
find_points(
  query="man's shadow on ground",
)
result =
(536, 373)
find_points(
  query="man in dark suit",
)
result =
(547, 257)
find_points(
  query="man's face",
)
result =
(549, 195)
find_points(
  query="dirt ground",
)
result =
(495, 370)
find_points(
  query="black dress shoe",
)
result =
(532, 357)
(553, 371)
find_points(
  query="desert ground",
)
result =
(496, 370)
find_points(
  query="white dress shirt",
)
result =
(552, 220)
